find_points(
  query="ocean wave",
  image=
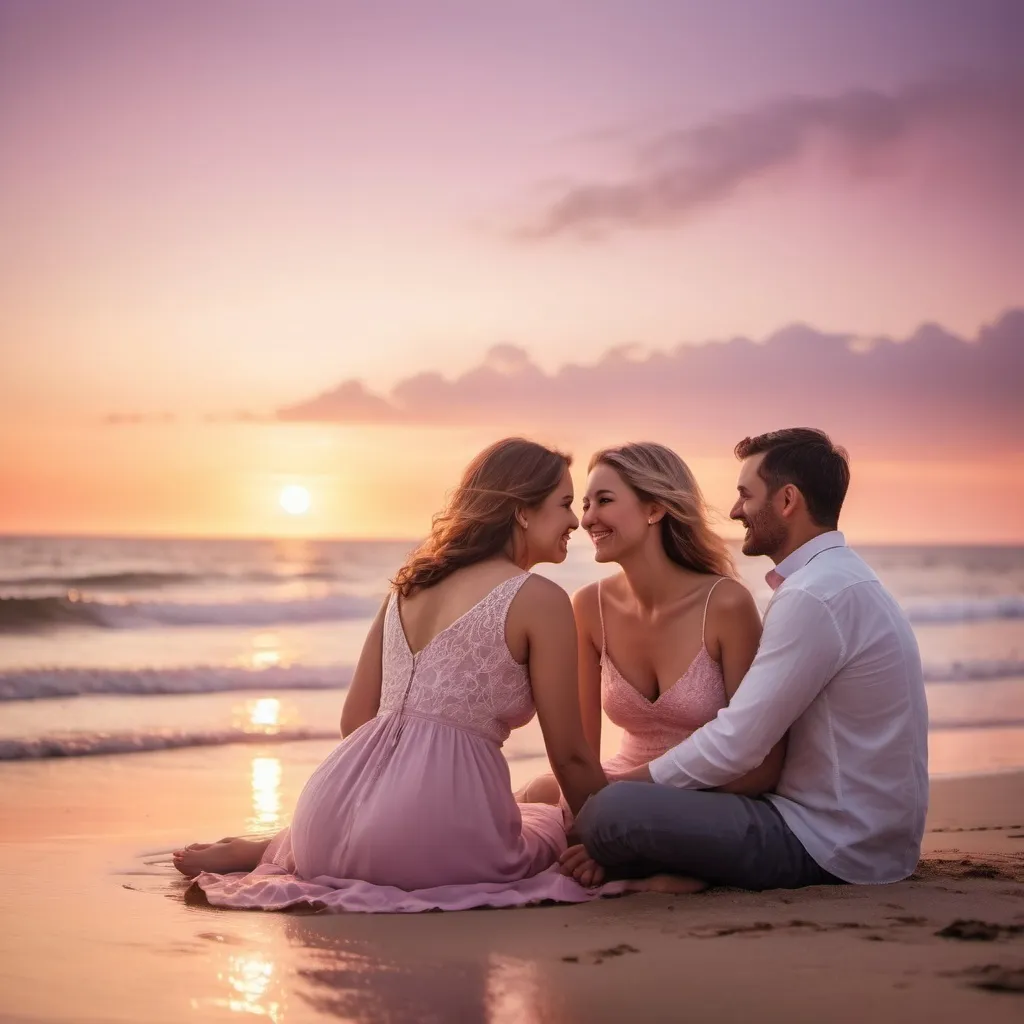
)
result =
(942, 725)
(21, 614)
(969, 609)
(90, 744)
(112, 580)
(148, 579)
(86, 744)
(43, 683)
(974, 671)
(53, 682)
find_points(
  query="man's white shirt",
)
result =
(839, 669)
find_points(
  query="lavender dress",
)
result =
(414, 810)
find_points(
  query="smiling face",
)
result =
(613, 514)
(767, 532)
(550, 524)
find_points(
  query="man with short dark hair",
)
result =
(838, 669)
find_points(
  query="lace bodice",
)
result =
(466, 675)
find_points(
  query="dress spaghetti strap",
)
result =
(600, 615)
(704, 624)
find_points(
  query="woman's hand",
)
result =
(578, 864)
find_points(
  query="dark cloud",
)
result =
(685, 170)
(931, 393)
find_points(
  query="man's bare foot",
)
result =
(221, 858)
(675, 884)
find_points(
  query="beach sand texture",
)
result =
(96, 926)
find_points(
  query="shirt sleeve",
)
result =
(801, 650)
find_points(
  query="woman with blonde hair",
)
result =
(664, 643)
(414, 809)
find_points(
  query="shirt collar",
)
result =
(803, 554)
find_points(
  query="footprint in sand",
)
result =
(597, 956)
(968, 930)
(992, 977)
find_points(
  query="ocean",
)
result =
(115, 646)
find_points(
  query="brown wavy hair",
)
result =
(477, 523)
(657, 474)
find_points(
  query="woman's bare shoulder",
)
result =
(729, 595)
(543, 596)
(584, 600)
(731, 607)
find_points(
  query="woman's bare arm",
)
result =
(585, 611)
(551, 630)
(734, 628)
(363, 698)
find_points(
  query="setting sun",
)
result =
(294, 499)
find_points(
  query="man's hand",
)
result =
(578, 864)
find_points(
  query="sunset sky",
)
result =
(343, 245)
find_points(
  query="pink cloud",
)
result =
(690, 168)
(359, 405)
(927, 394)
(135, 419)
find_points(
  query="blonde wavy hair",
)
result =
(509, 475)
(656, 474)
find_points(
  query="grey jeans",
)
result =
(636, 829)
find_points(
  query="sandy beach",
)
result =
(96, 926)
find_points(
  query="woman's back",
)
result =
(464, 674)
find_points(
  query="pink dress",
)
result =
(652, 727)
(414, 810)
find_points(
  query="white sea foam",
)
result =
(974, 671)
(37, 683)
(83, 744)
(42, 683)
(968, 609)
(86, 744)
(23, 614)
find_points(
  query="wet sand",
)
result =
(94, 926)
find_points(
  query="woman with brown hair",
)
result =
(414, 810)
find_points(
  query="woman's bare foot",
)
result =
(577, 863)
(675, 884)
(206, 846)
(221, 858)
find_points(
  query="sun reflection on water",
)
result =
(513, 991)
(249, 977)
(266, 794)
(266, 651)
(265, 712)
(265, 659)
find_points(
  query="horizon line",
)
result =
(214, 537)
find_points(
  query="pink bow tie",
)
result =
(774, 579)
